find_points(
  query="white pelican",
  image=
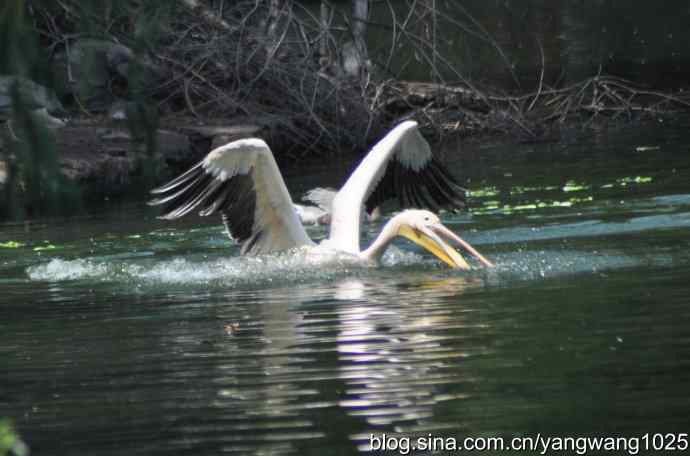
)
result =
(241, 182)
(318, 212)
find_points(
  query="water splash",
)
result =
(59, 270)
(544, 264)
(300, 268)
(297, 266)
(179, 271)
(395, 256)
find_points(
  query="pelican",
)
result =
(241, 182)
(318, 212)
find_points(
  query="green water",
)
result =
(122, 334)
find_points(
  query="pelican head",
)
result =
(425, 229)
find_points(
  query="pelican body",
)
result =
(241, 182)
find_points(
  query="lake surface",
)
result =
(509, 43)
(122, 334)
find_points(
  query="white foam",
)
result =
(59, 270)
(398, 257)
(302, 266)
(296, 266)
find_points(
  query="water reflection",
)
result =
(379, 354)
(395, 353)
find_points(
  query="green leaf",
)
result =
(10, 442)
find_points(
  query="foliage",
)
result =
(21, 51)
(35, 181)
(283, 64)
(10, 442)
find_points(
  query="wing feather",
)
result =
(241, 182)
(321, 197)
(401, 166)
(179, 180)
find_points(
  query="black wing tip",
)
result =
(197, 190)
(432, 187)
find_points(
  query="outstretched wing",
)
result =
(400, 166)
(241, 182)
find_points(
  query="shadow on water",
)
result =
(121, 333)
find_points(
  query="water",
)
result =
(569, 40)
(122, 334)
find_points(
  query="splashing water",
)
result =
(288, 267)
(300, 267)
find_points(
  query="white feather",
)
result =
(274, 215)
(414, 152)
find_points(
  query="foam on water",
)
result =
(59, 270)
(145, 268)
(299, 268)
(295, 266)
